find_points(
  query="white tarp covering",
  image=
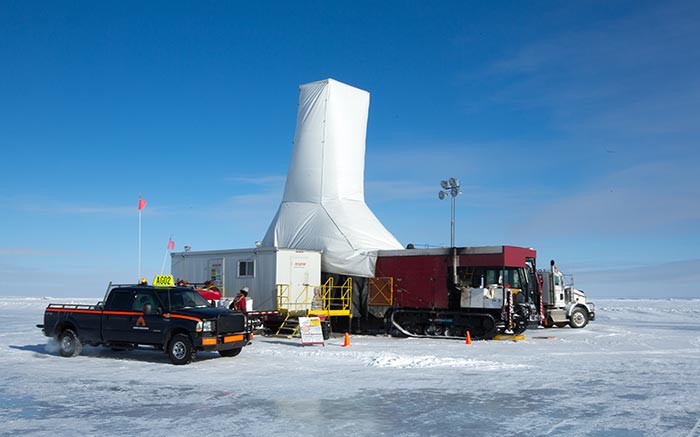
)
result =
(324, 199)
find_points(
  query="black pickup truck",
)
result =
(174, 319)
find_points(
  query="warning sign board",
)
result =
(310, 330)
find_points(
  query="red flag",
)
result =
(142, 204)
(171, 245)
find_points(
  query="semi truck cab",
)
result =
(563, 304)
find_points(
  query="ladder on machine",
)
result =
(324, 301)
(290, 326)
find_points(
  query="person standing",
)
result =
(239, 302)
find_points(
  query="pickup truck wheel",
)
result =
(68, 344)
(579, 318)
(231, 352)
(180, 349)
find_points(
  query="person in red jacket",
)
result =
(239, 302)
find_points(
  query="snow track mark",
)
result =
(412, 361)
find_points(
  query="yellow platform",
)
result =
(503, 337)
(345, 313)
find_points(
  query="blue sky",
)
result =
(573, 127)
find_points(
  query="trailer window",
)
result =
(246, 269)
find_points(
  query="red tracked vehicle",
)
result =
(447, 292)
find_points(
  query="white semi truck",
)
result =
(563, 304)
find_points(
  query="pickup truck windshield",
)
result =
(177, 298)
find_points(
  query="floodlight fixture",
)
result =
(451, 187)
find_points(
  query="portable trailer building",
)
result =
(260, 269)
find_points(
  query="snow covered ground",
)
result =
(634, 371)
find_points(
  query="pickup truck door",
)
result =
(117, 315)
(148, 323)
(124, 319)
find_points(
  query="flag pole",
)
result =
(171, 245)
(138, 278)
(142, 205)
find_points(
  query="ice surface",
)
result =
(634, 371)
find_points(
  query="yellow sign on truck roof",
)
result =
(163, 281)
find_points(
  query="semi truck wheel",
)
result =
(180, 349)
(69, 344)
(231, 352)
(579, 318)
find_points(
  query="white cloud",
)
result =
(675, 279)
(271, 181)
(629, 75)
(41, 205)
(28, 251)
(48, 207)
(255, 204)
(658, 35)
(644, 197)
(72, 281)
(397, 189)
(420, 161)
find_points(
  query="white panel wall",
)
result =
(272, 266)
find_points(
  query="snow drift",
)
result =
(632, 373)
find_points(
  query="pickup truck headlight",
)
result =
(209, 326)
(206, 326)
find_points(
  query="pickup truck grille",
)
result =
(230, 323)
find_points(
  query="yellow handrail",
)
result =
(327, 299)
(282, 296)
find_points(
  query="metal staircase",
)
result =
(290, 326)
(323, 301)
